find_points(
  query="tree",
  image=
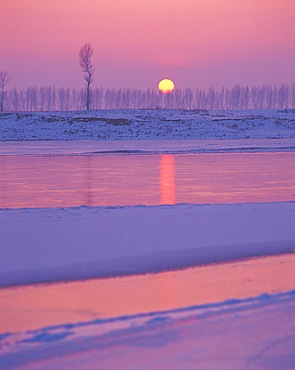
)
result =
(4, 79)
(85, 55)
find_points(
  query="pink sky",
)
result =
(196, 43)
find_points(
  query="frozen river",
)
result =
(158, 287)
(124, 179)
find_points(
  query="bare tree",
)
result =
(4, 79)
(85, 55)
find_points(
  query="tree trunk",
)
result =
(2, 101)
(88, 97)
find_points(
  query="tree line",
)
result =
(50, 98)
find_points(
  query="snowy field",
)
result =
(150, 286)
(148, 125)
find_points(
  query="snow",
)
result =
(95, 147)
(85, 242)
(148, 125)
(254, 333)
(54, 245)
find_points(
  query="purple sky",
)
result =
(196, 43)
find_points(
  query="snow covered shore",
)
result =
(148, 125)
(253, 333)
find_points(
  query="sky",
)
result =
(196, 43)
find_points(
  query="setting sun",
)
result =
(166, 86)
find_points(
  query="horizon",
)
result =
(197, 44)
(10, 87)
(50, 98)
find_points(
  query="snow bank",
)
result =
(148, 124)
(43, 245)
(253, 333)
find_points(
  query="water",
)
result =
(32, 307)
(147, 179)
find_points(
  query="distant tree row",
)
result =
(4, 79)
(49, 98)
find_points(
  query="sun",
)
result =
(166, 86)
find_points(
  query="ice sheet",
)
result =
(113, 147)
(39, 245)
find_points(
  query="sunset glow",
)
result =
(147, 184)
(201, 43)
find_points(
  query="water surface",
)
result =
(33, 307)
(148, 179)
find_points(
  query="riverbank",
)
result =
(148, 125)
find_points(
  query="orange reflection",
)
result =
(67, 181)
(167, 179)
(32, 307)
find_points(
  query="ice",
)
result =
(113, 147)
(253, 333)
(42, 245)
(53, 245)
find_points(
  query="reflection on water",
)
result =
(167, 179)
(101, 180)
(32, 307)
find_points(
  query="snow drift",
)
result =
(45, 245)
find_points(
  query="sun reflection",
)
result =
(167, 179)
(121, 180)
(88, 185)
